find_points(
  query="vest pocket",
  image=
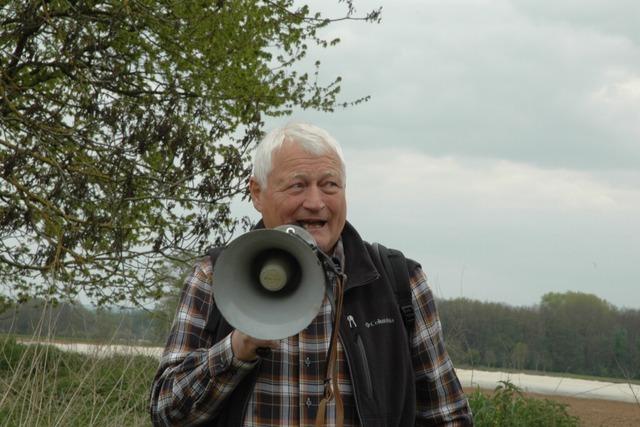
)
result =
(364, 363)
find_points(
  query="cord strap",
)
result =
(331, 389)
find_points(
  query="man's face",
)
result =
(306, 190)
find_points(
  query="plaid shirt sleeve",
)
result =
(195, 375)
(440, 399)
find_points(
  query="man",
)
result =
(385, 377)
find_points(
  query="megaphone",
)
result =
(270, 283)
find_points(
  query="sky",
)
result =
(501, 145)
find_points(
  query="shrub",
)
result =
(508, 407)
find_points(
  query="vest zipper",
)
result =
(365, 366)
(363, 360)
(353, 387)
(348, 357)
(363, 355)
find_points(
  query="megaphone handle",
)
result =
(329, 263)
(263, 351)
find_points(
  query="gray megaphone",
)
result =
(270, 283)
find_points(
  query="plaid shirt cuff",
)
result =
(222, 358)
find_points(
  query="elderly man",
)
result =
(385, 378)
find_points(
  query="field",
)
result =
(44, 386)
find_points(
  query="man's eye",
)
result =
(331, 186)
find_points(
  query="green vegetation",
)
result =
(65, 321)
(43, 386)
(566, 333)
(509, 407)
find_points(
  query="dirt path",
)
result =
(549, 385)
(597, 412)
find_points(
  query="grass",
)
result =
(43, 386)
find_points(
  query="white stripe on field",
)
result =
(541, 384)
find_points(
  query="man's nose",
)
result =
(313, 199)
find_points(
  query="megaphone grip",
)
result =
(263, 351)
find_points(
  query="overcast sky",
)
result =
(501, 145)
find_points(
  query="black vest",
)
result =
(375, 343)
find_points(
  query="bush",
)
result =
(508, 407)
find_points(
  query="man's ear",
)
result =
(256, 193)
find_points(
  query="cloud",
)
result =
(619, 18)
(616, 104)
(491, 79)
(496, 188)
(510, 231)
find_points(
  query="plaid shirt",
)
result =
(196, 375)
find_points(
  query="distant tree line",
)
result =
(75, 321)
(569, 332)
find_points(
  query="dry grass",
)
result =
(41, 385)
(44, 386)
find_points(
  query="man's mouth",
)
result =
(311, 225)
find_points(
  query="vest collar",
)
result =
(359, 267)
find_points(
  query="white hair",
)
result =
(310, 138)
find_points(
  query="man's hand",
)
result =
(244, 347)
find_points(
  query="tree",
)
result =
(519, 355)
(125, 130)
(579, 328)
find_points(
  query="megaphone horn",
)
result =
(269, 283)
